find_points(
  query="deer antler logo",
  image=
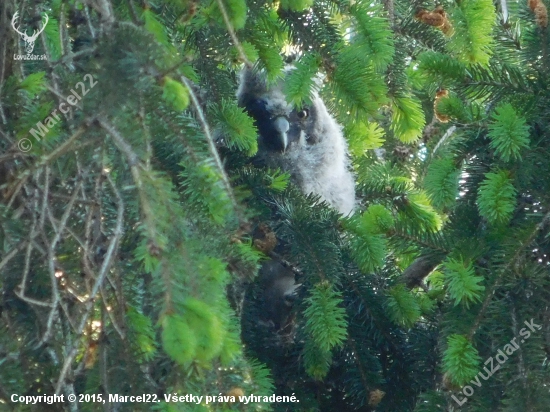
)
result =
(29, 40)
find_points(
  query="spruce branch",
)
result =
(517, 255)
(136, 169)
(126, 149)
(362, 372)
(233, 35)
(213, 150)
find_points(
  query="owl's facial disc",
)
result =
(274, 130)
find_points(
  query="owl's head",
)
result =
(279, 292)
(305, 141)
(281, 126)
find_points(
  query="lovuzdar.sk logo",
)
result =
(29, 40)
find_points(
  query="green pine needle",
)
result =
(363, 136)
(296, 5)
(419, 210)
(250, 51)
(236, 10)
(34, 83)
(439, 67)
(403, 307)
(377, 219)
(441, 182)
(325, 318)
(473, 21)
(206, 327)
(178, 340)
(278, 180)
(271, 60)
(175, 93)
(364, 92)
(154, 26)
(462, 283)
(509, 133)
(53, 40)
(239, 129)
(141, 334)
(372, 34)
(496, 198)
(204, 186)
(300, 83)
(368, 245)
(368, 249)
(461, 360)
(316, 361)
(408, 119)
(453, 107)
(261, 378)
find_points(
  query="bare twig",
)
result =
(89, 21)
(112, 318)
(147, 135)
(107, 262)
(28, 253)
(133, 12)
(113, 244)
(62, 149)
(11, 254)
(444, 138)
(120, 142)
(62, 29)
(388, 5)
(136, 168)
(504, 8)
(212, 148)
(103, 357)
(59, 229)
(69, 57)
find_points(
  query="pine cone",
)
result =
(541, 15)
(441, 94)
(375, 397)
(264, 238)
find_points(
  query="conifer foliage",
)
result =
(134, 218)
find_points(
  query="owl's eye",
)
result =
(256, 106)
(303, 114)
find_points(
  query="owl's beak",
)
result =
(282, 126)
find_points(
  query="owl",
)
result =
(306, 141)
(279, 292)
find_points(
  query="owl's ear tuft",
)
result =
(251, 84)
